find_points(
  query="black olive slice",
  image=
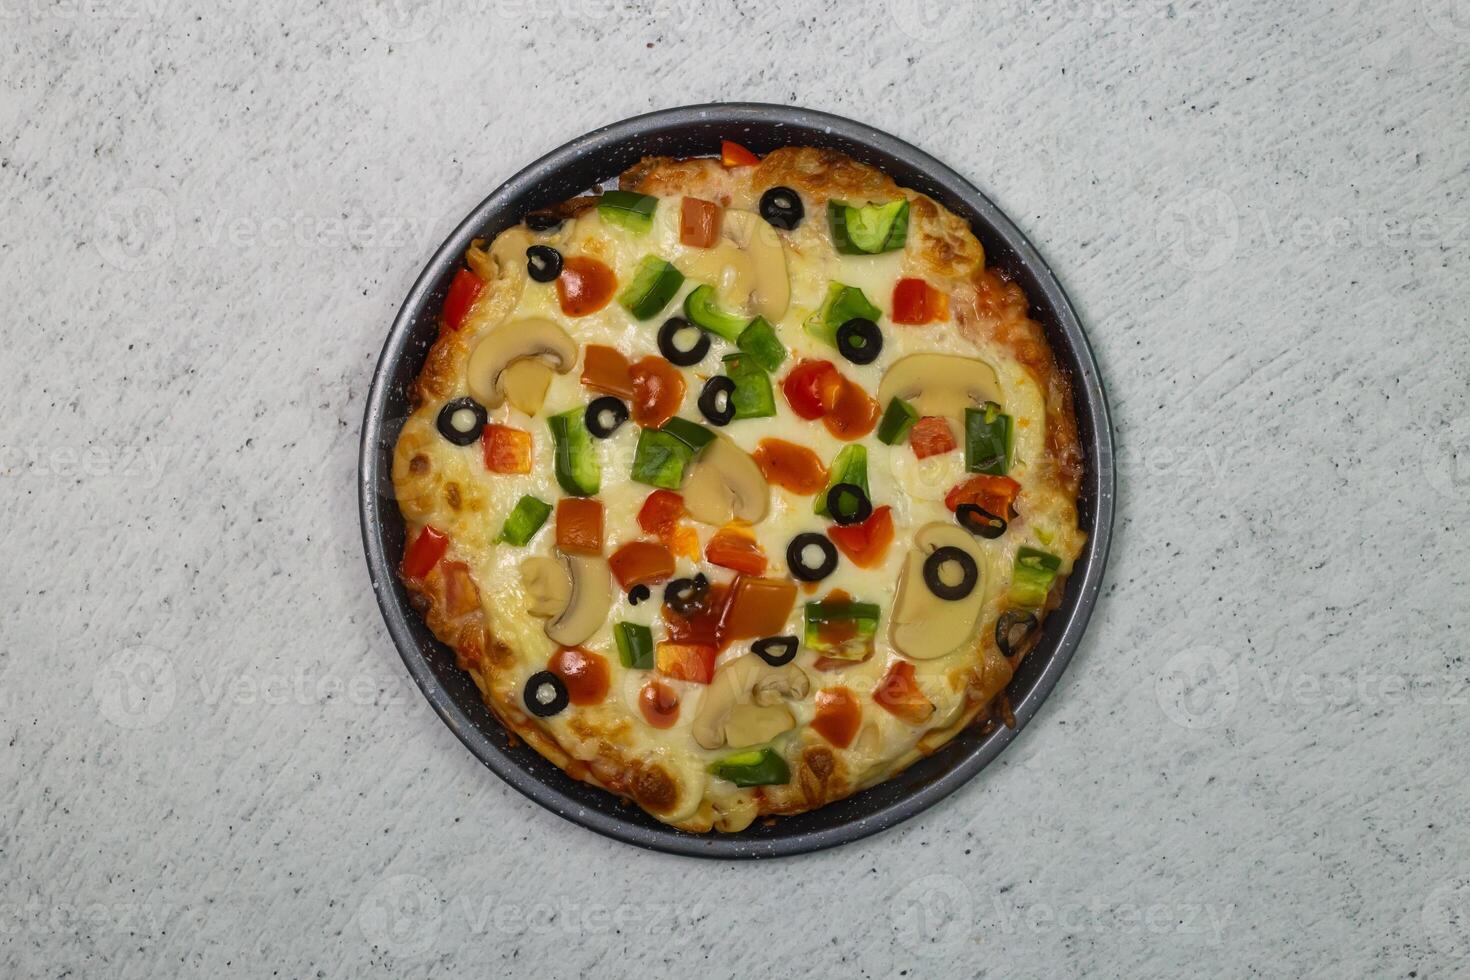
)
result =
(848, 504)
(668, 344)
(638, 593)
(543, 263)
(545, 695)
(462, 420)
(1005, 629)
(778, 651)
(686, 595)
(604, 415)
(782, 208)
(947, 555)
(978, 520)
(715, 400)
(543, 221)
(796, 557)
(859, 340)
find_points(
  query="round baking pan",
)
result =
(589, 161)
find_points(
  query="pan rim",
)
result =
(1069, 621)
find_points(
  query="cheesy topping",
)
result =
(457, 495)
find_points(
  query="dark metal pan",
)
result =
(591, 160)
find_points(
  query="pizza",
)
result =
(741, 486)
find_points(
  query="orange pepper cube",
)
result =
(686, 661)
(605, 369)
(736, 548)
(507, 450)
(699, 223)
(838, 716)
(579, 525)
(898, 692)
(660, 513)
(425, 552)
(641, 562)
(865, 544)
(916, 303)
(997, 494)
(931, 436)
(758, 607)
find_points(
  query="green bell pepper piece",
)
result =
(850, 466)
(660, 459)
(702, 308)
(628, 210)
(653, 285)
(755, 767)
(869, 229)
(635, 645)
(759, 340)
(524, 521)
(691, 434)
(989, 439)
(577, 468)
(898, 418)
(841, 304)
(1032, 577)
(753, 397)
(858, 621)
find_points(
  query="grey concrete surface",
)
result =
(212, 761)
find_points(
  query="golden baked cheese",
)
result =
(829, 561)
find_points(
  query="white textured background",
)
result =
(212, 761)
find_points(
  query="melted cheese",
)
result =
(915, 489)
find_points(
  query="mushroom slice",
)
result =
(924, 626)
(941, 384)
(726, 267)
(743, 704)
(524, 384)
(725, 484)
(548, 586)
(771, 284)
(504, 346)
(587, 606)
